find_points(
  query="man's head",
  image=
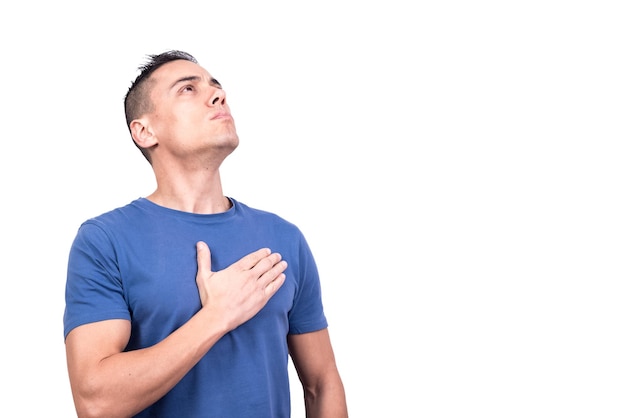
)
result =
(177, 104)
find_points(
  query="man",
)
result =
(187, 303)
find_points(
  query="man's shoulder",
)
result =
(262, 214)
(117, 215)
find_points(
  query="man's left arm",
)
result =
(314, 360)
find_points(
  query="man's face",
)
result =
(190, 115)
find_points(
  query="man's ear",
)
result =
(142, 134)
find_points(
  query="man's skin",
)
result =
(189, 131)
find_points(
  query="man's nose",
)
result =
(218, 97)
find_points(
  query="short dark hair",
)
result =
(137, 100)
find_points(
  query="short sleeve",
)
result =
(94, 290)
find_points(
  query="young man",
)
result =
(187, 303)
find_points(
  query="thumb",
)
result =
(203, 257)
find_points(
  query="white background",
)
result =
(457, 167)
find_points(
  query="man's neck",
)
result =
(199, 193)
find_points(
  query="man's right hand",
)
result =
(236, 293)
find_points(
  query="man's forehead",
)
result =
(174, 70)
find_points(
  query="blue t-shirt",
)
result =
(138, 262)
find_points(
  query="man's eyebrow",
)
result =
(185, 79)
(195, 78)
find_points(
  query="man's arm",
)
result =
(314, 360)
(108, 382)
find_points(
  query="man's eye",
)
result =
(188, 88)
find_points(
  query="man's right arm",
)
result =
(107, 381)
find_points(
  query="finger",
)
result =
(203, 257)
(273, 286)
(273, 274)
(265, 264)
(249, 261)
